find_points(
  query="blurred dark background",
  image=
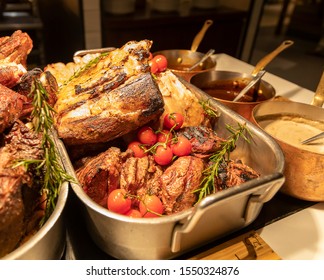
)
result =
(246, 29)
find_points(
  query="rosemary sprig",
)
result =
(52, 173)
(207, 185)
(209, 110)
(85, 67)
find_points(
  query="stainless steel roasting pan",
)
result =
(214, 217)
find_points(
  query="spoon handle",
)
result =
(311, 139)
(208, 54)
(249, 85)
(269, 57)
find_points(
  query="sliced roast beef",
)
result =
(179, 181)
(15, 185)
(100, 175)
(141, 176)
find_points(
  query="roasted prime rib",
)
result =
(18, 193)
(110, 98)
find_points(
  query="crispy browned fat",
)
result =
(110, 98)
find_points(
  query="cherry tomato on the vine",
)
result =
(146, 135)
(134, 213)
(163, 155)
(154, 66)
(161, 62)
(173, 120)
(164, 136)
(151, 206)
(118, 201)
(135, 146)
(182, 147)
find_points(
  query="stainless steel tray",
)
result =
(214, 217)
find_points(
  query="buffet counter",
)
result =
(292, 228)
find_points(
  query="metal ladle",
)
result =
(208, 54)
(258, 72)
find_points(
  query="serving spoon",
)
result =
(258, 71)
(255, 80)
(207, 54)
(311, 139)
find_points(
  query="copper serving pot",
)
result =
(304, 164)
(225, 85)
(180, 60)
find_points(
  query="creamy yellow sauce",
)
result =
(293, 130)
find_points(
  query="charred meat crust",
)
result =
(115, 95)
(117, 112)
(204, 140)
(15, 48)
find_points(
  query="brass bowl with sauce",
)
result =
(224, 86)
(289, 123)
(180, 60)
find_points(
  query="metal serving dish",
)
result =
(49, 242)
(214, 217)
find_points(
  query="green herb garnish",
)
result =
(49, 169)
(207, 186)
(85, 67)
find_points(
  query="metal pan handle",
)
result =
(193, 232)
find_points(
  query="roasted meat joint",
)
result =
(141, 143)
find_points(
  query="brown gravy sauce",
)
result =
(228, 91)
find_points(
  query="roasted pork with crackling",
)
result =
(110, 98)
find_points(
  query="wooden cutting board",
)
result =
(249, 246)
